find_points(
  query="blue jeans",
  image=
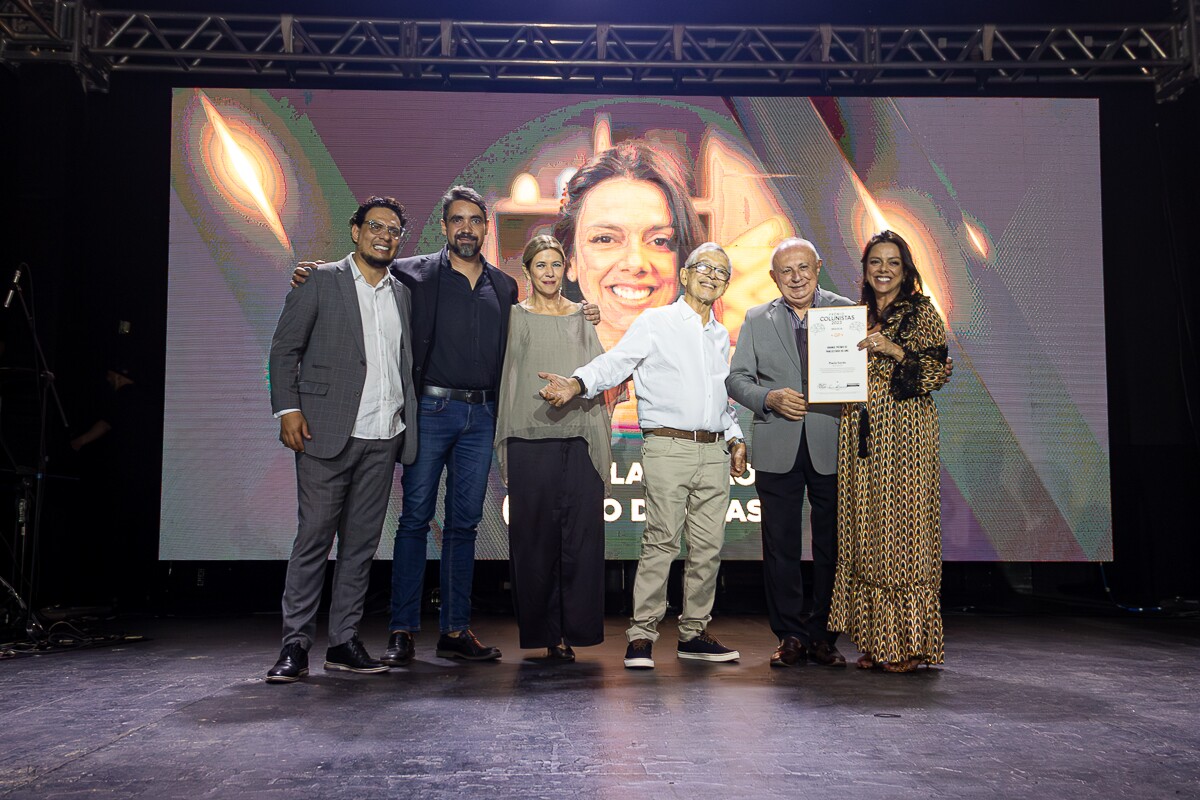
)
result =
(456, 437)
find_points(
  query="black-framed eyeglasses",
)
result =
(392, 230)
(704, 268)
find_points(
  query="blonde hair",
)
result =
(539, 243)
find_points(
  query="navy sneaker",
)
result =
(638, 654)
(705, 647)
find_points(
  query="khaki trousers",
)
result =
(687, 487)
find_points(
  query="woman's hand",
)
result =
(878, 344)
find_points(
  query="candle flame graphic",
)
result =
(241, 167)
(977, 239)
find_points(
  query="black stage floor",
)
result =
(1024, 707)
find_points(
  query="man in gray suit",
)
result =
(342, 389)
(794, 447)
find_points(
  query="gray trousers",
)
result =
(687, 489)
(346, 496)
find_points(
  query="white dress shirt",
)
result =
(380, 410)
(679, 368)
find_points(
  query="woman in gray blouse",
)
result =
(555, 462)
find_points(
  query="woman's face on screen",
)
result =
(623, 258)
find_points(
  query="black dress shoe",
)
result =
(826, 655)
(291, 666)
(399, 651)
(465, 646)
(560, 652)
(790, 653)
(352, 657)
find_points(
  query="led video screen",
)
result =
(1000, 199)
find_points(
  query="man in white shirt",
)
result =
(679, 358)
(342, 390)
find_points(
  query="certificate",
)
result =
(837, 369)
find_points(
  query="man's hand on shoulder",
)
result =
(591, 312)
(787, 403)
(303, 269)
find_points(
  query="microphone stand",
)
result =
(30, 535)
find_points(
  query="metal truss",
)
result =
(824, 58)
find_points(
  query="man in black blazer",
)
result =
(342, 389)
(460, 328)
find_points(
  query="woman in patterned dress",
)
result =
(889, 569)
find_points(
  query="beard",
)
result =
(379, 262)
(465, 248)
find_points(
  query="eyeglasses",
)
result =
(704, 268)
(392, 230)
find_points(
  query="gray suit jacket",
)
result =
(318, 363)
(766, 358)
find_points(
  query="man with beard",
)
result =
(342, 390)
(460, 325)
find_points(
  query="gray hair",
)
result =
(707, 247)
(794, 241)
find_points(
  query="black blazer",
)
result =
(420, 274)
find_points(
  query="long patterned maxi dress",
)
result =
(886, 593)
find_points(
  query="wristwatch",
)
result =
(735, 441)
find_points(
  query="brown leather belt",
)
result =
(704, 437)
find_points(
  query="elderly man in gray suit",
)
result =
(794, 447)
(342, 389)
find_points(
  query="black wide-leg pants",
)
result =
(556, 542)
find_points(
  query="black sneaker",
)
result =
(399, 651)
(638, 655)
(291, 666)
(705, 647)
(352, 657)
(465, 646)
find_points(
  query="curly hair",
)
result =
(375, 201)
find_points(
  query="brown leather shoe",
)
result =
(790, 653)
(826, 655)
